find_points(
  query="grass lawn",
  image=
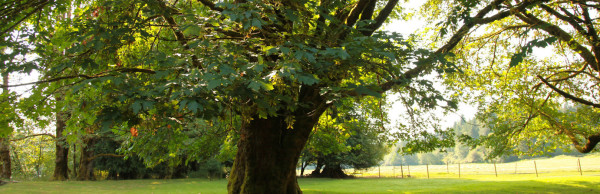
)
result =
(482, 184)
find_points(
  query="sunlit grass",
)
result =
(520, 183)
(584, 184)
(556, 175)
(556, 166)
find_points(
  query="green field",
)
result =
(546, 167)
(508, 184)
(555, 175)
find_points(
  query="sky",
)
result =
(406, 28)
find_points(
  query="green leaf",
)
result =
(367, 91)
(256, 23)
(192, 30)
(256, 85)
(136, 106)
(528, 48)
(193, 106)
(212, 84)
(308, 79)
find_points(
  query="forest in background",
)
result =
(463, 153)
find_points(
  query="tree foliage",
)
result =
(524, 67)
(158, 70)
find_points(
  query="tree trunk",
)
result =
(5, 171)
(74, 159)
(267, 156)
(266, 159)
(61, 169)
(333, 171)
(317, 171)
(302, 167)
(268, 151)
(86, 164)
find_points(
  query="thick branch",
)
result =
(592, 140)
(567, 95)
(592, 34)
(383, 15)
(37, 9)
(561, 35)
(367, 13)
(356, 11)
(590, 144)
(454, 40)
(571, 19)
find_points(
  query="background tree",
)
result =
(5, 170)
(519, 87)
(351, 136)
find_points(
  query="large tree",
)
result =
(278, 65)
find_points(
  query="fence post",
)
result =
(447, 169)
(495, 170)
(379, 171)
(402, 170)
(427, 165)
(515, 167)
(459, 170)
(408, 169)
(579, 164)
(535, 166)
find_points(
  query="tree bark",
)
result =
(268, 151)
(333, 171)
(303, 167)
(61, 169)
(266, 159)
(5, 171)
(74, 157)
(317, 171)
(86, 162)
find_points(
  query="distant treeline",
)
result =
(462, 153)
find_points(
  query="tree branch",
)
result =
(356, 11)
(567, 95)
(38, 8)
(427, 63)
(108, 155)
(211, 5)
(34, 135)
(571, 19)
(561, 35)
(103, 74)
(367, 13)
(383, 15)
(178, 34)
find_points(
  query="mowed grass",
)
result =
(556, 175)
(484, 184)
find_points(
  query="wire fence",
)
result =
(568, 166)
